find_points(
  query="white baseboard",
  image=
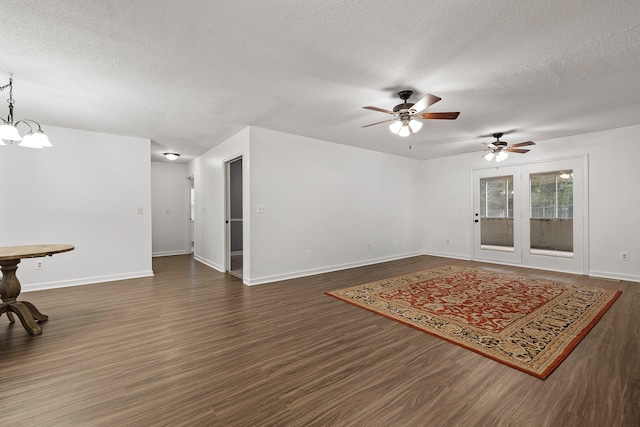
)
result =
(170, 253)
(592, 273)
(328, 269)
(209, 263)
(445, 255)
(85, 281)
(614, 276)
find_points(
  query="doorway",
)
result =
(192, 213)
(234, 221)
(532, 214)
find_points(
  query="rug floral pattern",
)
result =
(527, 323)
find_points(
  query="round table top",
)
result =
(32, 251)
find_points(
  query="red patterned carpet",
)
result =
(527, 323)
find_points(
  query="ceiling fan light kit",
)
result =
(407, 117)
(499, 150)
(36, 138)
(407, 120)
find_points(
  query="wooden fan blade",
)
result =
(524, 144)
(382, 110)
(517, 150)
(439, 116)
(377, 123)
(425, 102)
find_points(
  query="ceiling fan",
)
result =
(499, 150)
(407, 116)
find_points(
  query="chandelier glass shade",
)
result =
(35, 138)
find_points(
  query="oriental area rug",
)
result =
(523, 322)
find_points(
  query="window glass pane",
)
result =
(496, 213)
(496, 197)
(551, 214)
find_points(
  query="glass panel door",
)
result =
(551, 213)
(554, 234)
(532, 214)
(496, 215)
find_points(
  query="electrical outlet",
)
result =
(309, 253)
(368, 245)
(624, 256)
(39, 265)
(448, 242)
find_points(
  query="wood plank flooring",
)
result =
(194, 347)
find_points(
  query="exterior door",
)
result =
(497, 215)
(532, 214)
(554, 231)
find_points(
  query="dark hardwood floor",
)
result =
(194, 347)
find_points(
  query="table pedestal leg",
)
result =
(9, 291)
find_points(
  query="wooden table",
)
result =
(10, 257)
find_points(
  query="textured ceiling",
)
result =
(188, 74)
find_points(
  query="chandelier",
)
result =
(9, 131)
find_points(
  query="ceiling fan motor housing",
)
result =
(400, 107)
(497, 142)
(404, 95)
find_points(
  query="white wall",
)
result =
(332, 200)
(170, 209)
(85, 191)
(348, 206)
(208, 171)
(614, 200)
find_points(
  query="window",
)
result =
(552, 195)
(496, 199)
(496, 213)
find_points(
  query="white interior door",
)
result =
(234, 219)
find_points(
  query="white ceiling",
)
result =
(189, 74)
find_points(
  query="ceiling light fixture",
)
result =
(395, 127)
(501, 156)
(405, 127)
(9, 132)
(499, 150)
(405, 130)
(407, 116)
(171, 156)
